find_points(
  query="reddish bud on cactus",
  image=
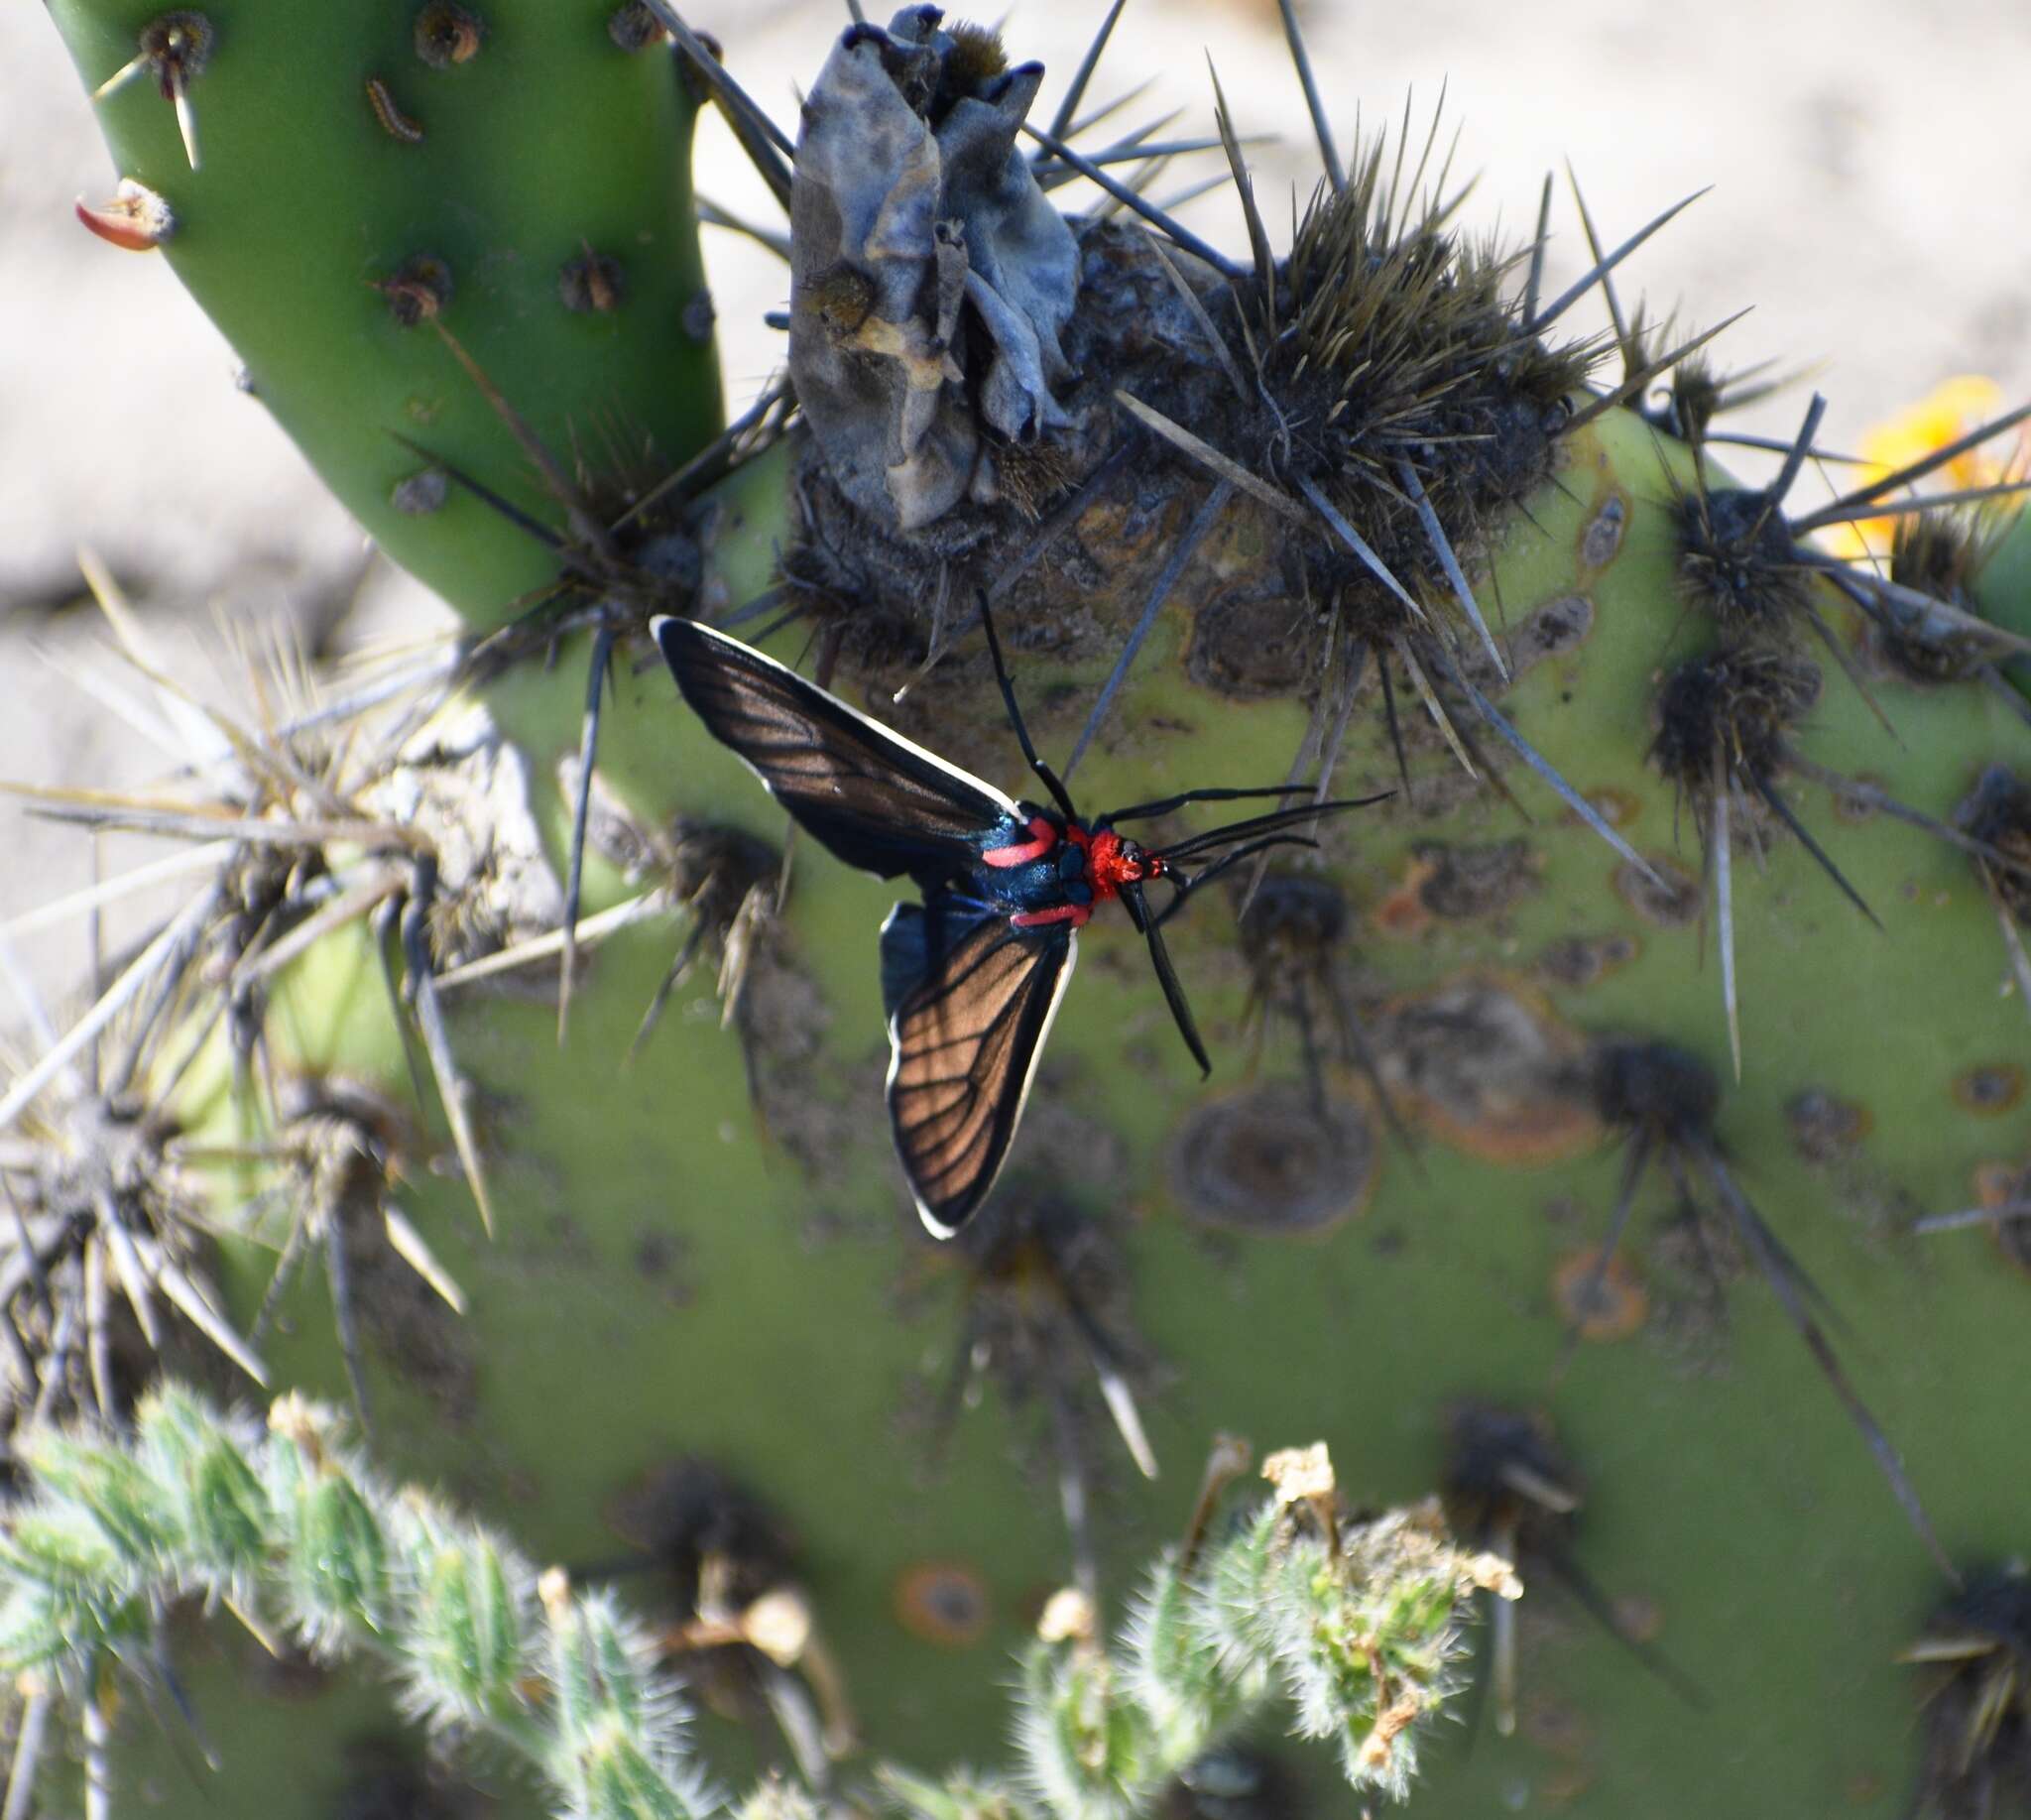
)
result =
(137, 219)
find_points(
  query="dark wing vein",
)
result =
(879, 802)
(965, 1040)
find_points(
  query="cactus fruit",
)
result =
(1578, 1042)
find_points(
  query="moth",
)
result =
(973, 975)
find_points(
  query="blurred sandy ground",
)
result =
(1872, 174)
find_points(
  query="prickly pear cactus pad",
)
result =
(1616, 1139)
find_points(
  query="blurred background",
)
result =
(1871, 177)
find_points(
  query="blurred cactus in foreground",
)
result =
(1356, 1619)
(508, 1069)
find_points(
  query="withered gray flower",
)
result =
(931, 277)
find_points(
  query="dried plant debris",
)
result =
(334, 1168)
(102, 1245)
(932, 277)
(743, 1629)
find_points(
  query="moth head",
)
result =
(1136, 863)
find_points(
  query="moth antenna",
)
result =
(1913, 471)
(1355, 542)
(1771, 794)
(1182, 551)
(430, 1017)
(1777, 1272)
(1225, 863)
(1274, 821)
(1637, 381)
(1630, 345)
(1062, 121)
(1442, 548)
(713, 215)
(759, 137)
(1177, 232)
(1163, 805)
(1251, 214)
(582, 809)
(1601, 267)
(1721, 845)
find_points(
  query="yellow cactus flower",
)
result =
(1946, 414)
